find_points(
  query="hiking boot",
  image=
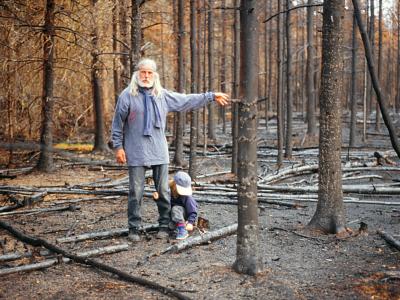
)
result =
(163, 233)
(182, 233)
(134, 236)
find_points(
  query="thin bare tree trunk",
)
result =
(372, 41)
(211, 70)
(194, 56)
(235, 88)
(136, 33)
(115, 50)
(247, 251)
(353, 99)
(123, 25)
(178, 157)
(289, 83)
(375, 81)
(11, 99)
(397, 99)
(310, 87)
(378, 114)
(279, 87)
(330, 214)
(222, 69)
(99, 136)
(46, 137)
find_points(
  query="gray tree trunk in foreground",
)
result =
(46, 136)
(247, 251)
(330, 214)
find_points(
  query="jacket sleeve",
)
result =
(183, 102)
(191, 209)
(120, 115)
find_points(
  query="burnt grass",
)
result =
(296, 264)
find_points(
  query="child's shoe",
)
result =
(182, 233)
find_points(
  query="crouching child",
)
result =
(183, 206)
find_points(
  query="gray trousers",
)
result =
(135, 196)
(178, 214)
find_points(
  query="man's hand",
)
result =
(189, 227)
(120, 156)
(222, 98)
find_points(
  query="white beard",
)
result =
(146, 85)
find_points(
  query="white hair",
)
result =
(157, 88)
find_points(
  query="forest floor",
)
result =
(295, 264)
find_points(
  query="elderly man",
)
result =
(138, 138)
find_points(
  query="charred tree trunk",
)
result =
(126, 72)
(205, 64)
(310, 87)
(330, 214)
(247, 252)
(235, 88)
(178, 157)
(279, 87)
(211, 70)
(372, 41)
(99, 136)
(378, 114)
(397, 99)
(194, 115)
(222, 68)
(46, 136)
(115, 50)
(11, 99)
(353, 99)
(268, 65)
(136, 33)
(289, 83)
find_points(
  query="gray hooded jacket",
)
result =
(128, 124)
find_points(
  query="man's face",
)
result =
(146, 77)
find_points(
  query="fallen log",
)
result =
(103, 250)
(14, 256)
(389, 239)
(38, 197)
(11, 207)
(201, 239)
(52, 261)
(103, 234)
(32, 267)
(213, 174)
(360, 189)
(34, 241)
(235, 202)
(41, 210)
(297, 171)
(63, 201)
(306, 169)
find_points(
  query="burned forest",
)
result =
(202, 149)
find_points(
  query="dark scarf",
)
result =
(148, 116)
